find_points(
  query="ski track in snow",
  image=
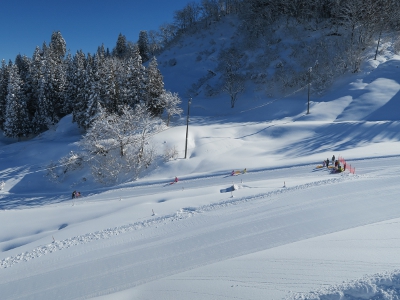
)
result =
(179, 215)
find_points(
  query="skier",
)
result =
(344, 167)
(233, 172)
(73, 194)
(327, 162)
(176, 179)
(333, 159)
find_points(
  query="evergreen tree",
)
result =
(45, 49)
(122, 81)
(35, 74)
(43, 115)
(16, 116)
(94, 111)
(58, 47)
(77, 85)
(120, 49)
(154, 88)
(135, 79)
(83, 94)
(24, 65)
(57, 85)
(110, 88)
(130, 84)
(138, 72)
(50, 91)
(69, 91)
(4, 77)
(101, 52)
(92, 89)
(143, 44)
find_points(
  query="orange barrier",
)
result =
(348, 167)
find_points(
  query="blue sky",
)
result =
(84, 24)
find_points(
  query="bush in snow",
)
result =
(57, 172)
(172, 62)
(170, 153)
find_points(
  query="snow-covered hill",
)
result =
(289, 231)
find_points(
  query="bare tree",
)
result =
(167, 33)
(234, 84)
(231, 62)
(154, 42)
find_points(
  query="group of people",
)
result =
(76, 194)
(336, 164)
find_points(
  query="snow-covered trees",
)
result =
(143, 44)
(118, 144)
(4, 78)
(16, 114)
(154, 88)
(171, 102)
(58, 47)
(121, 47)
(52, 84)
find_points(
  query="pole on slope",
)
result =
(379, 38)
(309, 84)
(187, 126)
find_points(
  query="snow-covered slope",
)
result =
(290, 230)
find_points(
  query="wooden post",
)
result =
(187, 126)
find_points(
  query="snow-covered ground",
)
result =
(290, 230)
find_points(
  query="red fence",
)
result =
(346, 165)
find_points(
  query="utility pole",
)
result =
(187, 126)
(379, 39)
(309, 84)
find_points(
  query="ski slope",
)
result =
(265, 240)
(289, 231)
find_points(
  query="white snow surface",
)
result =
(288, 230)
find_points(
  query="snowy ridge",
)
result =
(179, 215)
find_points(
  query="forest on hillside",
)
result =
(36, 92)
(280, 47)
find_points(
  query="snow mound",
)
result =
(384, 286)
